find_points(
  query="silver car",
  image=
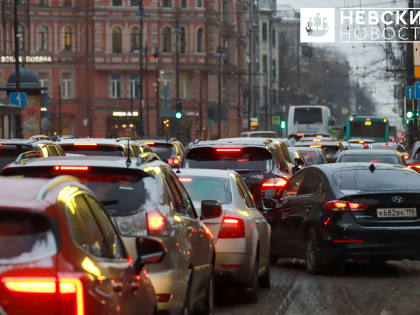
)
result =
(241, 233)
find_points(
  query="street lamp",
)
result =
(178, 32)
(141, 14)
(220, 53)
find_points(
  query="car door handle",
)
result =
(116, 286)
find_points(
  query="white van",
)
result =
(259, 134)
(308, 120)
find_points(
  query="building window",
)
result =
(43, 38)
(185, 86)
(21, 37)
(225, 11)
(273, 38)
(134, 86)
(117, 40)
(200, 40)
(199, 3)
(134, 3)
(66, 85)
(183, 41)
(68, 38)
(167, 39)
(67, 3)
(43, 3)
(44, 79)
(264, 32)
(184, 3)
(135, 39)
(116, 2)
(115, 86)
(264, 64)
(167, 3)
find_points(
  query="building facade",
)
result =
(86, 52)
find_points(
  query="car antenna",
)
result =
(128, 161)
(372, 168)
(178, 170)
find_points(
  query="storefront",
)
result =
(10, 124)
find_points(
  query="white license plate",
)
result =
(396, 212)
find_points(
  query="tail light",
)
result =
(85, 144)
(232, 228)
(185, 179)
(155, 222)
(414, 165)
(274, 183)
(345, 206)
(316, 146)
(229, 150)
(174, 161)
(70, 291)
(72, 168)
(406, 157)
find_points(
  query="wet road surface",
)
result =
(352, 288)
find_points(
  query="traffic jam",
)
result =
(150, 226)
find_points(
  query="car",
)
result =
(391, 146)
(144, 197)
(372, 156)
(318, 138)
(135, 149)
(297, 158)
(11, 149)
(360, 141)
(360, 211)
(93, 147)
(60, 253)
(259, 134)
(311, 156)
(170, 151)
(331, 148)
(414, 159)
(265, 165)
(241, 234)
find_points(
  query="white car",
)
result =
(241, 233)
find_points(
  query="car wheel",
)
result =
(252, 291)
(312, 254)
(209, 301)
(265, 280)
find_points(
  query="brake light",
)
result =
(85, 144)
(406, 157)
(72, 168)
(185, 179)
(70, 290)
(229, 150)
(414, 165)
(274, 183)
(347, 241)
(344, 206)
(155, 222)
(316, 140)
(174, 161)
(232, 228)
(315, 146)
(362, 142)
(150, 144)
(299, 134)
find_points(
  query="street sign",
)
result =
(18, 99)
(254, 122)
(276, 120)
(344, 111)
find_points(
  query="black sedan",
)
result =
(333, 212)
(372, 156)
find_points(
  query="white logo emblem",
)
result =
(317, 25)
(398, 199)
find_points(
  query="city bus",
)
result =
(308, 120)
(367, 127)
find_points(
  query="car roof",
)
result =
(102, 141)
(369, 152)
(243, 142)
(306, 149)
(323, 143)
(205, 172)
(158, 140)
(25, 142)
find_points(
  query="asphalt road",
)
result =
(352, 288)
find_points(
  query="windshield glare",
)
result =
(208, 188)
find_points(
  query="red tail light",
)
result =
(274, 183)
(344, 206)
(229, 150)
(414, 165)
(174, 161)
(300, 134)
(70, 291)
(185, 179)
(232, 228)
(150, 144)
(72, 168)
(155, 222)
(85, 144)
(406, 157)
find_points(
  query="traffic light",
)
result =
(155, 53)
(410, 114)
(283, 124)
(178, 110)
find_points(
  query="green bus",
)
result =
(367, 127)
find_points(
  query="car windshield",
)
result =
(93, 150)
(9, 153)
(207, 188)
(25, 237)
(249, 158)
(388, 159)
(165, 151)
(378, 180)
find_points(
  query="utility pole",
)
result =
(177, 31)
(411, 128)
(60, 115)
(220, 54)
(141, 14)
(16, 35)
(146, 52)
(155, 55)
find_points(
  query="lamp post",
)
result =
(16, 35)
(141, 14)
(220, 53)
(178, 32)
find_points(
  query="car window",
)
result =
(310, 184)
(112, 239)
(185, 199)
(84, 227)
(176, 195)
(208, 188)
(293, 186)
(281, 160)
(248, 198)
(53, 150)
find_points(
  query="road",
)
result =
(353, 288)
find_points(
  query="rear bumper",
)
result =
(236, 267)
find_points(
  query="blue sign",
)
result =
(410, 92)
(18, 99)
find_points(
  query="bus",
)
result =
(367, 127)
(308, 120)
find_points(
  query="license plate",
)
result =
(397, 212)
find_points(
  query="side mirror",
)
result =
(149, 251)
(211, 209)
(269, 204)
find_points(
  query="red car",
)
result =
(60, 253)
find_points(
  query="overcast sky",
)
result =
(361, 56)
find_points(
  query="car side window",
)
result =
(84, 227)
(175, 194)
(53, 150)
(294, 184)
(112, 238)
(310, 184)
(281, 160)
(186, 201)
(245, 193)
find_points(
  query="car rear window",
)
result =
(249, 158)
(388, 159)
(165, 151)
(310, 157)
(9, 153)
(331, 152)
(208, 188)
(379, 180)
(25, 237)
(91, 150)
(308, 116)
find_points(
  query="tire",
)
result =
(251, 294)
(313, 258)
(265, 280)
(209, 301)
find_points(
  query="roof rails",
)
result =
(39, 137)
(28, 155)
(52, 183)
(147, 158)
